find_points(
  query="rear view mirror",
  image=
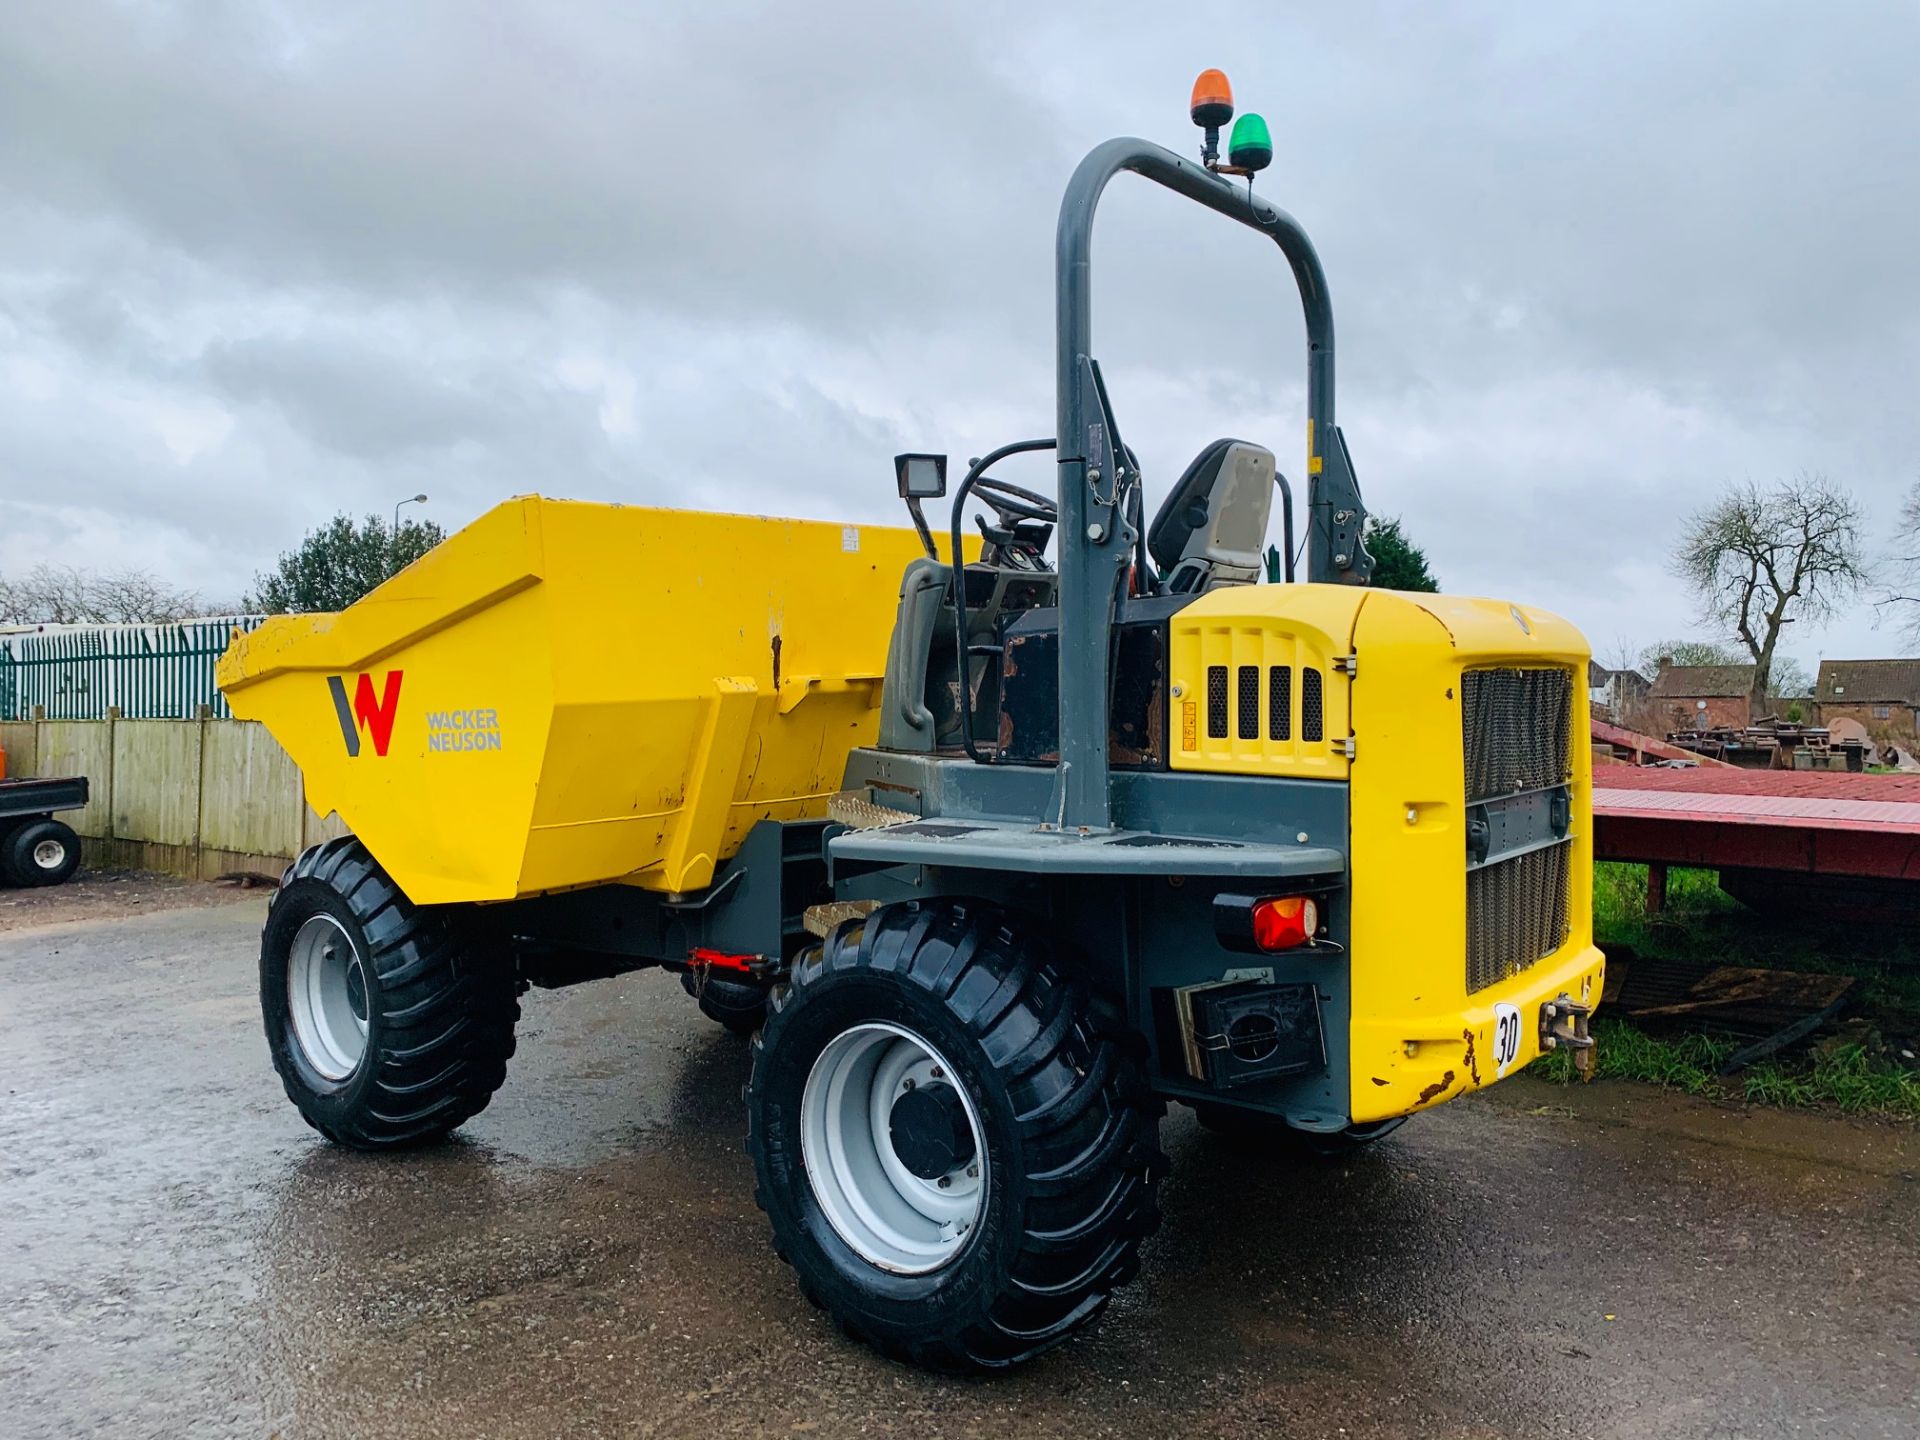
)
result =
(921, 477)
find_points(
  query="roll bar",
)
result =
(1097, 533)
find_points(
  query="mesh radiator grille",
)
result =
(1516, 730)
(1517, 727)
(1516, 914)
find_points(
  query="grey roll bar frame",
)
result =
(1096, 535)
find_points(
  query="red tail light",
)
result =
(1282, 924)
(1265, 925)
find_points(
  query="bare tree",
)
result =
(1903, 567)
(69, 595)
(1758, 560)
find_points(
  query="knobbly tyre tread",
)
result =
(1085, 1125)
(447, 1005)
(739, 1006)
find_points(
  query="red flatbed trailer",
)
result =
(1774, 835)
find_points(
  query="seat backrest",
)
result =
(1210, 529)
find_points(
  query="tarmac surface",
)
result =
(180, 1256)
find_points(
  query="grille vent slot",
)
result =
(1216, 702)
(1280, 702)
(1311, 707)
(1247, 704)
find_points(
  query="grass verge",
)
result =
(1861, 1071)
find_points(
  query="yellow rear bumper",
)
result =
(1418, 1062)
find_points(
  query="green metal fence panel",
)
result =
(151, 672)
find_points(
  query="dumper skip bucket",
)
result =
(567, 694)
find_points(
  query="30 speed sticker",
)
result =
(1506, 1037)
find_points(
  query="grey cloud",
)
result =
(258, 262)
(364, 402)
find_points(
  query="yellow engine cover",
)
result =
(564, 694)
(1387, 721)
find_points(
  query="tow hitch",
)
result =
(751, 969)
(1563, 1024)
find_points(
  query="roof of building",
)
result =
(1598, 675)
(1868, 681)
(1702, 682)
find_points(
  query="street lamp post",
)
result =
(410, 500)
(393, 537)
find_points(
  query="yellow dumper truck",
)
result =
(994, 843)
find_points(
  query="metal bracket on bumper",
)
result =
(1563, 1024)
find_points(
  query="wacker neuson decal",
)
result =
(368, 714)
(452, 730)
(366, 711)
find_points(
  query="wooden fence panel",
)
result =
(250, 800)
(156, 781)
(80, 747)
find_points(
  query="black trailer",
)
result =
(35, 848)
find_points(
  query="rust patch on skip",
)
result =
(1378, 1081)
(776, 662)
(1435, 1090)
(1472, 1062)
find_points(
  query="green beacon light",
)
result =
(1250, 148)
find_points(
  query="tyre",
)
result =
(40, 852)
(1271, 1132)
(388, 1023)
(951, 1137)
(741, 1007)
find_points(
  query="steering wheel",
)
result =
(1010, 503)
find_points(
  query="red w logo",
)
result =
(375, 716)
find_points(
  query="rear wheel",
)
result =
(40, 852)
(742, 1008)
(388, 1025)
(952, 1143)
(1271, 1132)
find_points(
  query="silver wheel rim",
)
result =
(327, 997)
(49, 854)
(890, 1217)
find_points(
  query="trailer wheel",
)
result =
(951, 1137)
(742, 1008)
(389, 1025)
(1271, 1132)
(40, 852)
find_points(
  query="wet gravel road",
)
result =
(180, 1256)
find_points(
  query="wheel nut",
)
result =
(938, 1073)
(907, 1084)
(973, 1172)
(946, 1181)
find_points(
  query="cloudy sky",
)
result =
(262, 261)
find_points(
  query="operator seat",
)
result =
(1210, 529)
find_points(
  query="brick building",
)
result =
(1883, 695)
(1615, 694)
(1700, 697)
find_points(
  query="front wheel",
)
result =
(951, 1140)
(388, 1025)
